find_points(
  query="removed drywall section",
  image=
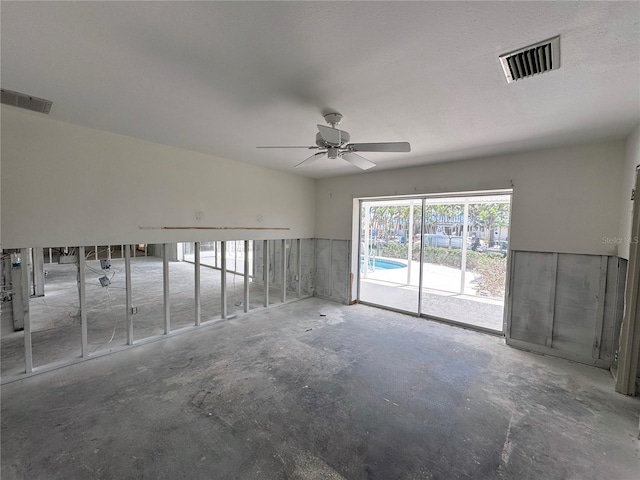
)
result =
(332, 279)
(304, 273)
(566, 305)
(632, 160)
(307, 265)
(63, 184)
(564, 199)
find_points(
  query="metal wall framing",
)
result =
(128, 251)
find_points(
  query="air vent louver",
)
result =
(20, 100)
(532, 60)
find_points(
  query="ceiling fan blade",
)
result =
(311, 159)
(380, 147)
(358, 161)
(308, 148)
(333, 136)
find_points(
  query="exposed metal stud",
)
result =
(129, 296)
(284, 270)
(38, 271)
(197, 282)
(246, 276)
(299, 286)
(265, 271)
(28, 351)
(83, 300)
(223, 278)
(165, 281)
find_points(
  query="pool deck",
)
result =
(398, 289)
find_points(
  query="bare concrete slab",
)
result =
(319, 390)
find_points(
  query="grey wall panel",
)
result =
(340, 275)
(614, 306)
(323, 268)
(577, 304)
(275, 260)
(532, 290)
(567, 305)
(292, 265)
(308, 260)
(258, 255)
(332, 274)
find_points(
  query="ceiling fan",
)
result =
(334, 143)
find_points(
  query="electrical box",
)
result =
(105, 264)
(105, 282)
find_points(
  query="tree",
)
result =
(489, 216)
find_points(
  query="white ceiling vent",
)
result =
(532, 60)
(20, 100)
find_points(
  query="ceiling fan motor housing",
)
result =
(322, 143)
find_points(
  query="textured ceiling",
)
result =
(225, 77)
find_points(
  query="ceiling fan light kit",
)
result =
(335, 143)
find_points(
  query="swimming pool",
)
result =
(384, 263)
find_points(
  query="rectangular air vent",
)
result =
(20, 100)
(532, 60)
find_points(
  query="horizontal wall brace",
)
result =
(214, 228)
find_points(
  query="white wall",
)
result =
(628, 182)
(63, 184)
(565, 199)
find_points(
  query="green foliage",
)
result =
(396, 250)
(389, 220)
(490, 268)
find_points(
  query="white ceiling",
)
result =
(225, 77)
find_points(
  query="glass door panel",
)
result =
(454, 255)
(389, 255)
(442, 256)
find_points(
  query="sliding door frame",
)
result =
(358, 204)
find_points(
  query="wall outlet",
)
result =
(134, 310)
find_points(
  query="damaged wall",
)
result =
(305, 275)
(324, 269)
(566, 305)
(332, 270)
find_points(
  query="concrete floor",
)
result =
(55, 321)
(318, 390)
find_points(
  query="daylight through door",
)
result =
(442, 257)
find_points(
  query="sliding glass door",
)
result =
(441, 257)
(389, 253)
